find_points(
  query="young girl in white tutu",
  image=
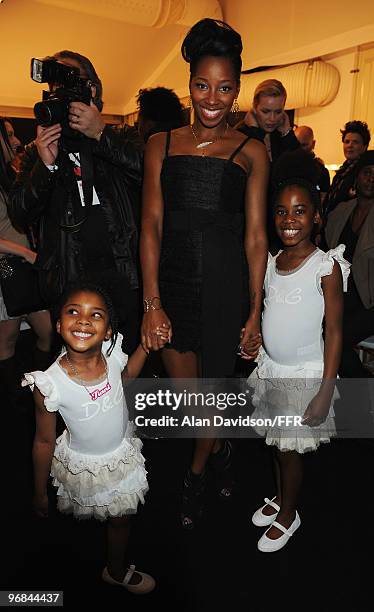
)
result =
(96, 464)
(296, 371)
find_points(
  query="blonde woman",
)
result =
(267, 120)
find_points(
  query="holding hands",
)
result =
(250, 340)
(156, 330)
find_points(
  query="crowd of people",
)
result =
(203, 241)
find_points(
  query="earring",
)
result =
(235, 107)
(189, 103)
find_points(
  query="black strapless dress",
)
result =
(203, 273)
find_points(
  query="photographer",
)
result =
(80, 184)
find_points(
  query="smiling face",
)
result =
(269, 112)
(295, 216)
(353, 145)
(213, 89)
(84, 322)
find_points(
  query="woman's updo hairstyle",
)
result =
(215, 38)
(296, 168)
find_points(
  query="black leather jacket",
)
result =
(41, 197)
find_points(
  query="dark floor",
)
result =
(326, 565)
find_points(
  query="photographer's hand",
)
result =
(46, 142)
(86, 119)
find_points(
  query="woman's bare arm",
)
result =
(150, 238)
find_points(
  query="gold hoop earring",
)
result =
(235, 107)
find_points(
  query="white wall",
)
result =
(326, 121)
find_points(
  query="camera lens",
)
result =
(51, 111)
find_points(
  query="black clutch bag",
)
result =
(20, 286)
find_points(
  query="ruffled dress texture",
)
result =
(98, 467)
(290, 364)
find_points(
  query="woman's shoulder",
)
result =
(156, 141)
(159, 144)
(254, 149)
(251, 151)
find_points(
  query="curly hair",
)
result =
(161, 105)
(357, 127)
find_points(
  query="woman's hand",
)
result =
(40, 505)
(46, 142)
(156, 330)
(284, 124)
(250, 340)
(317, 410)
(250, 119)
(29, 256)
(163, 335)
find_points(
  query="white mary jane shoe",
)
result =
(260, 519)
(146, 585)
(265, 544)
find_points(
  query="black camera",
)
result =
(69, 87)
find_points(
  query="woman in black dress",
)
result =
(203, 235)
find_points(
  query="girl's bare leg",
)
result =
(118, 531)
(291, 476)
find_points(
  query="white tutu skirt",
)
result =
(281, 393)
(99, 486)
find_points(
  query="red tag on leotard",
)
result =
(100, 392)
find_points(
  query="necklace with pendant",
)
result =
(96, 393)
(203, 145)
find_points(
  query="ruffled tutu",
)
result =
(99, 486)
(281, 393)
